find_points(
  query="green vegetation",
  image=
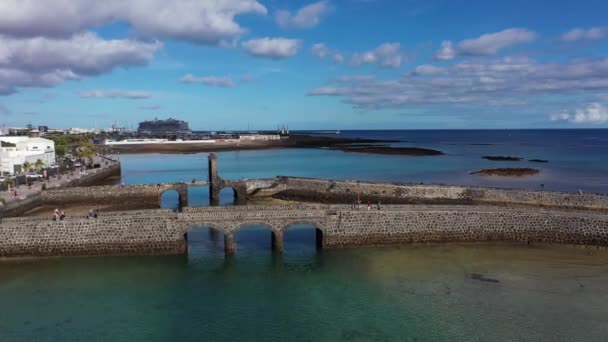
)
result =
(86, 150)
(27, 166)
(7, 144)
(39, 164)
(69, 144)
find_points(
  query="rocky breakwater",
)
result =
(349, 192)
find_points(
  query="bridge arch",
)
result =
(275, 234)
(180, 188)
(319, 230)
(216, 232)
(169, 198)
(227, 192)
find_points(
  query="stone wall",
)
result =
(125, 197)
(19, 206)
(331, 191)
(161, 231)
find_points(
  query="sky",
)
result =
(331, 64)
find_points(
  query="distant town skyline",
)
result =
(339, 64)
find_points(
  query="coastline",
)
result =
(370, 146)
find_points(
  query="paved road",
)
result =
(23, 190)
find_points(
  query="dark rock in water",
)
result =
(538, 160)
(507, 172)
(481, 277)
(502, 158)
(389, 150)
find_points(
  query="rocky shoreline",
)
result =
(507, 172)
(368, 146)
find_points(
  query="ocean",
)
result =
(452, 292)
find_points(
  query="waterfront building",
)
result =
(164, 127)
(17, 150)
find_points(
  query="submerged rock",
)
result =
(507, 172)
(481, 277)
(502, 158)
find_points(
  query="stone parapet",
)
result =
(162, 231)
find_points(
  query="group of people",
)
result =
(58, 215)
(369, 205)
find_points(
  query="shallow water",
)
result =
(453, 292)
(415, 293)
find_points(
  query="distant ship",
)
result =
(169, 126)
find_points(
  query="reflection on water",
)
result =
(414, 293)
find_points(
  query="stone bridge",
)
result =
(165, 232)
(322, 191)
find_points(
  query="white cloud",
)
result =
(446, 52)
(321, 50)
(485, 45)
(428, 70)
(504, 82)
(207, 22)
(114, 94)
(273, 48)
(222, 82)
(151, 107)
(306, 17)
(386, 55)
(593, 113)
(577, 34)
(45, 62)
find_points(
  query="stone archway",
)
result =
(275, 236)
(216, 184)
(319, 230)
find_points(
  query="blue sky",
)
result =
(341, 64)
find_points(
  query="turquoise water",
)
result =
(414, 293)
(411, 294)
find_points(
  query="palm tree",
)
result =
(39, 164)
(27, 166)
(87, 150)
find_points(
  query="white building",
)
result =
(26, 150)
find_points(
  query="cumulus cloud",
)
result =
(387, 55)
(593, 113)
(45, 62)
(320, 50)
(206, 22)
(273, 48)
(500, 83)
(485, 45)
(578, 34)
(213, 81)
(428, 70)
(306, 17)
(151, 107)
(446, 52)
(114, 94)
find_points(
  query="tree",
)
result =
(87, 150)
(27, 166)
(39, 164)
